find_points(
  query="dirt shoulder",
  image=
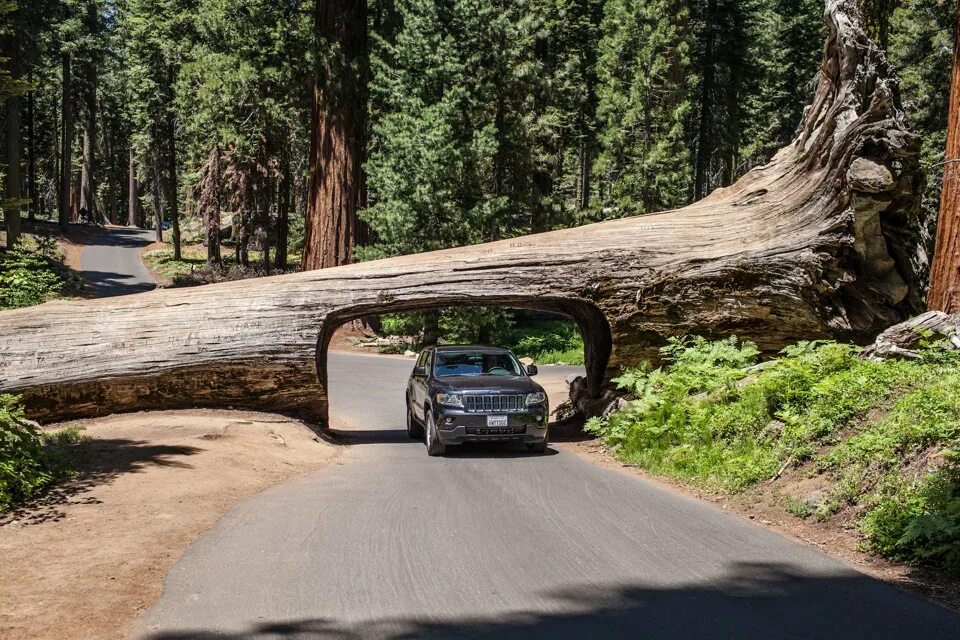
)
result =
(763, 505)
(90, 558)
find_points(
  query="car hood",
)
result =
(486, 384)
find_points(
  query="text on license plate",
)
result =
(496, 421)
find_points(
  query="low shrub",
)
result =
(884, 432)
(30, 461)
(32, 272)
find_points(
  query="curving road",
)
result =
(110, 261)
(494, 543)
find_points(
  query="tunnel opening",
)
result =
(544, 330)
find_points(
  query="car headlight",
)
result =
(538, 397)
(450, 399)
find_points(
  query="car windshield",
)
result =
(476, 363)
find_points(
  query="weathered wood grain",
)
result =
(823, 241)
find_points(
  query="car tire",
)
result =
(538, 447)
(414, 428)
(434, 446)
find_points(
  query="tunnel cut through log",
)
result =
(590, 321)
(824, 241)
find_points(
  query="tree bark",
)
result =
(66, 142)
(338, 132)
(283, 207)
(88, 187)
(173, 197)
(822, 242)
(210, 205)
(12, 210)
(31, 159)
(133, 192)
(945, 278)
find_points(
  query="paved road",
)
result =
(111, 263)
(493, 543)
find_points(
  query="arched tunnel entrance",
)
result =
(590, 323)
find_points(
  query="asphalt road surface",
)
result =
(111, 263)
(494, 543)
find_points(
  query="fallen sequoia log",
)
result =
(824, 241)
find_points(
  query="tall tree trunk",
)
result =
(944, 292)
(133, 192)
(157, 200)
(337, 141)
(174, 213)
(210, 201)
(283, 206)
(66, 143)
(31, 158)
(12, 212)
(701, 183)
(88, 187)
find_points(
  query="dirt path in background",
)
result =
(86, 562)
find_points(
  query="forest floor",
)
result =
(764, 505)
(91, 556)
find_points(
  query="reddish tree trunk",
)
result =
(945, 278)
(336, 146)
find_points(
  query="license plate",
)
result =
(496, 421)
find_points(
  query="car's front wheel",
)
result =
(539, 447)
(414, 428)
(434, 446)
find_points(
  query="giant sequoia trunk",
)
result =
(945, 278)
(821, 242)
(336, 146)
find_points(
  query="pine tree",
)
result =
(645, 90)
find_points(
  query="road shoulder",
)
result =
(760, 507)
(90, 557)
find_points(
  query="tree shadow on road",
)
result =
(96, 461)
(755, 601)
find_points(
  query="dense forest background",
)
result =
(481, 119)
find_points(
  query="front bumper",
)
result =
(455, 426)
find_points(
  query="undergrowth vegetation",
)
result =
(192, 269)
(30, 461)
(885, 434)
(547, 339)
(33, 272)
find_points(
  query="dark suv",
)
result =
(460, 394)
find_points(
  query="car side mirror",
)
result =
(420, 372)
(532, 370)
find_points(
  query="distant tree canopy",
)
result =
(475, 119)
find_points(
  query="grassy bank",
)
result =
(192, 268)
(880, 439)
(33, 272)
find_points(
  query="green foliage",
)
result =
(547, 340)
(646, 84)
(885, 433)
(30, 461)
(798, 508)
(921, 47)
(23, 468)
(31, 273)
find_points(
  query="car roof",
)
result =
(469, 347)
